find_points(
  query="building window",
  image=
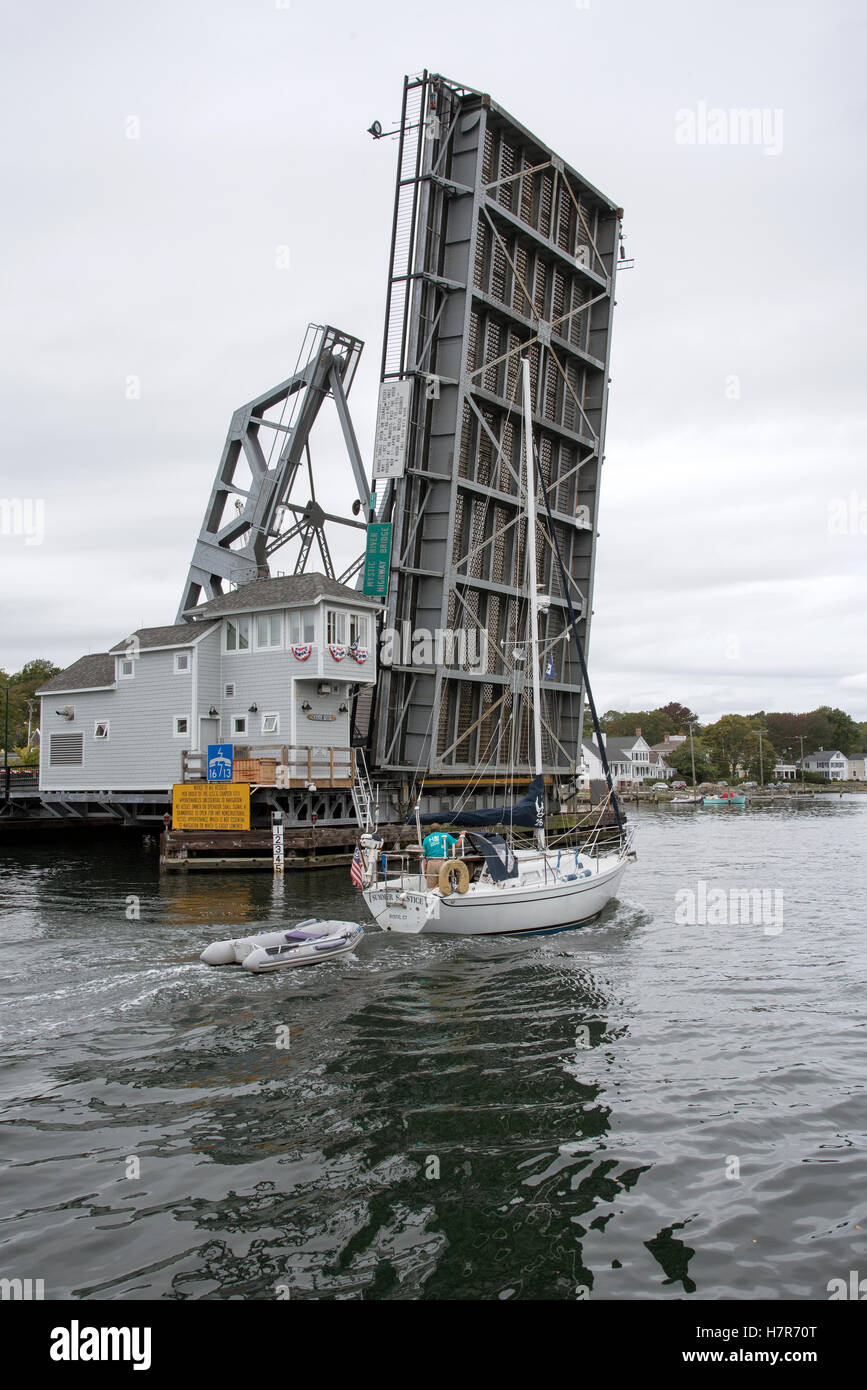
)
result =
(100, 729)
(182, 726)
(336, 623)
(237, 634)
(66, 750)
(183, 663)
(270, 723)
(125, 668)
(268, 632)
(301, 626)
(230, 690)
(239, 724)
(358, 629)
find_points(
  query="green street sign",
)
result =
(377, 559)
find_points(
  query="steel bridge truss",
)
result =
(499, 251)
(244, 525)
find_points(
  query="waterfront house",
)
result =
(271, 667)
(591, 765)
(857, 767)
(830, 763)
(631, 760)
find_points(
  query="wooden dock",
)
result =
(319, 847)
(314, 847)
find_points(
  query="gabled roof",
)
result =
(177, 635)
(283, 592)
(614, 747)
(619, 747)
(93, 672)
(825, 753)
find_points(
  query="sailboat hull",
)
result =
(512, 909)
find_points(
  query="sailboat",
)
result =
(497, 887)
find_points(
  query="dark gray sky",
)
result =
(731, 567)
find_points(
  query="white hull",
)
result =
(517, 907)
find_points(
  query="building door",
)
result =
(209, 731)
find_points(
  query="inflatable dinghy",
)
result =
(307, 944)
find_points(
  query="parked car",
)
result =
(659, 787)
(748, 786)
(678, 786)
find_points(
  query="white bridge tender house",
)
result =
(271, 667)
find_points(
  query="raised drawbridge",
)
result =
(500, 250)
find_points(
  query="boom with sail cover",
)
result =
(528, 813)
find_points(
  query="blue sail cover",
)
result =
(528, 812)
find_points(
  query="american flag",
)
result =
(356, 872)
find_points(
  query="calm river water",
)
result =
(655, 1106)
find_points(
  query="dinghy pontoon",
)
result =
(310, 943)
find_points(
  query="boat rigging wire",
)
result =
(574, 621)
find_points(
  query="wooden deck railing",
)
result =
(280, 765)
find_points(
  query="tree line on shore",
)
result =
(731, 744)
(721, 748)
(21, 688)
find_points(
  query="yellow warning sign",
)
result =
(211, 806)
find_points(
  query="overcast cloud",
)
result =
(725, 577)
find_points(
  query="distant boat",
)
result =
(724, 799)
(684, 801)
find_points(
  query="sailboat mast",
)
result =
(531, 566)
